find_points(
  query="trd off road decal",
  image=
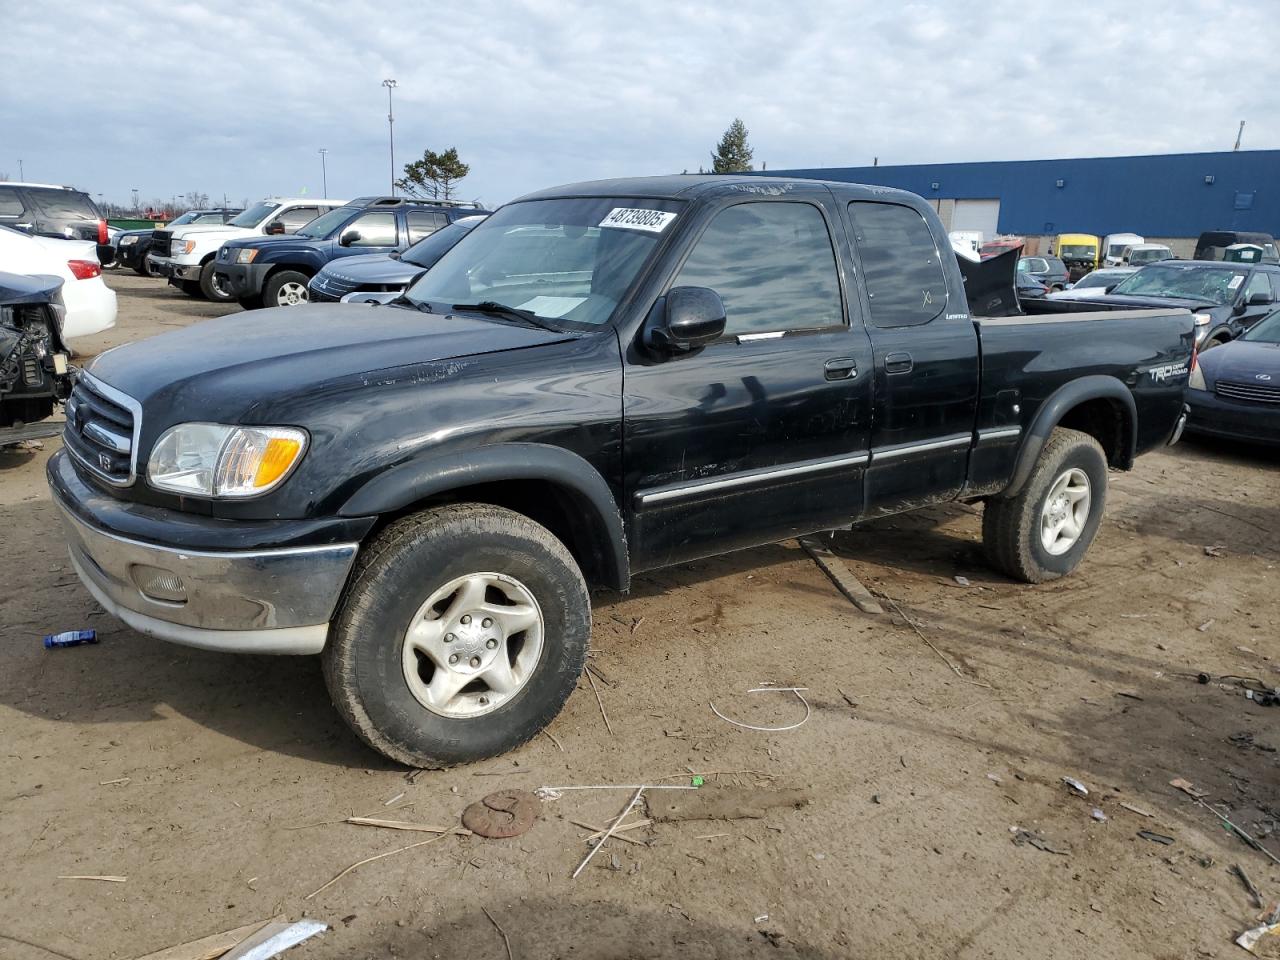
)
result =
(1170, 371)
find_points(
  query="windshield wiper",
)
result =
(403, 301)
(494, 308)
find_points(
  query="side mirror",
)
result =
(1110, 286)
(275, 229)
(348, 238)
(688, 318)
(1258, 299)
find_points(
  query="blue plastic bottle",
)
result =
(72, 638)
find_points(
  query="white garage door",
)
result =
(981, 215)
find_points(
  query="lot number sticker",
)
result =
(629, 218)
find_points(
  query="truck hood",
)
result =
(278, 242)
(209, 229)
(1217, 310)
(1243, 362)
(219, 369)
(372, 268)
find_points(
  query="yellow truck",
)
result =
(1079, 251)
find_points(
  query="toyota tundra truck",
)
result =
(185, 254)
(599, 380)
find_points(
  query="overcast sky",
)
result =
(170, 96)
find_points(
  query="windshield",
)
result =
(429, 249)
(1148, 256)
(326, 223)
(1208, 284)
(255, 214)
(188, 217)
(1095, 279)
(1077, 251)
(1266, 330)
(568, 260)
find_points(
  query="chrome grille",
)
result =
(1250, 392)
(102, 430)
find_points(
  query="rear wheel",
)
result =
(211, 287)
(461, 635)
(142, 270)
(1044, 532)
(288, 288)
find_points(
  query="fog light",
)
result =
(158, 584)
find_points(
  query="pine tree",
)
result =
(435, 176)
(733, 154)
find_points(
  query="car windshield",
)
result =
(1095, 279)
(1148, 256)
(565, 260)
(326, 223)
(188, 217)
(429, 249)
(1266, 330)
(1206, 284)
(1077, 251)
(254, 215)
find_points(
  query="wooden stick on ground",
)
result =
(943, 656)
(106, 879)
(505, 939)
(635, 798)
(397, 825)
(592, 680)
(380, 856)
(552, 737)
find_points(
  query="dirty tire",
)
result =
(1011, 527)
(191, 288)
(209, 287)
(395, 574)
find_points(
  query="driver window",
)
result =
(1258, 283)
(376, 230)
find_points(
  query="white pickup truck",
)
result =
(185, 254)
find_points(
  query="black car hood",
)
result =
(220, 369)
(1156, 303)
(372, 268)
(1243, 361)
(16, 288)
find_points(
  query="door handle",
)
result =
(898, 363)
(840, 368)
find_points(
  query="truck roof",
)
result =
(689, 185)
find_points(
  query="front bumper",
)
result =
(133, 254)
(175, 270)
(1214, 416)
(260, 600)
(243, 280)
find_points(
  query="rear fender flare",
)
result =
(1051, 412)
(427, 476)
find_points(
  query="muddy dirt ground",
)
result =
(217, 784)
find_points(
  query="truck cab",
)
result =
(1079, 251)
(275, 271)
(1113, 247)
(185, 254)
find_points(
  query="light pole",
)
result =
(20, 175)
(391, 132)
(324, 173)
(135, 201)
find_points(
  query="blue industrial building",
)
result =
(1165, 196)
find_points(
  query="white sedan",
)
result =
(89, 302)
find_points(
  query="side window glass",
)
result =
(423, 224)
(772, 264)
(376, 230)
(298, 217)
(1258, 283)
(906, 285)
(10, 203)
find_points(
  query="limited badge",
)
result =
(629, 218)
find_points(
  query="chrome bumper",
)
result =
(264, 601)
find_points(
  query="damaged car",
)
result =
(34, 371)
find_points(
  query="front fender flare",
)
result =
(1051, 412)
(427, 476)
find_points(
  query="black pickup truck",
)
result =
(600, 379)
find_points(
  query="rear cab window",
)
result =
(901, 268)
(66, 205)
(773, 265)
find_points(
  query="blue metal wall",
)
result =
(1156, 196)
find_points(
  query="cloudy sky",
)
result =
(237, 98)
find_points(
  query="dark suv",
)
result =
(274, 271)
(48, 210)
(1050, 271)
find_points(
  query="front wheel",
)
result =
(461, 635)
(288, 288)
(1043, 532)
(211, 287)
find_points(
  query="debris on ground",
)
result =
(275, 939)
(379, 856)
(1186, 787)
(1155, 837)
(1076, 785)
(724, 803)
(396, 825)
(104, 879)
(1248, 885)
(962, 581)
(503, 814)
(1036, 839)
(211, 947)
(841, 576)
(1217, 550)
(70, 638)
(1138, 810)
(808, 711)
(1098, 815)
(1204, 627)
(1250, 938)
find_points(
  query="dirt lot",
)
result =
(217, 784)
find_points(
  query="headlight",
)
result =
(1202, 322)
(188, 245)
(246, 255)
(1195, 380)
(128, 241)
(214, 460)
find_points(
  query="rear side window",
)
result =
(422, 223)
(298, 217)
(900, 265)
(772, 264)
(66, 205)
(10, 203)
